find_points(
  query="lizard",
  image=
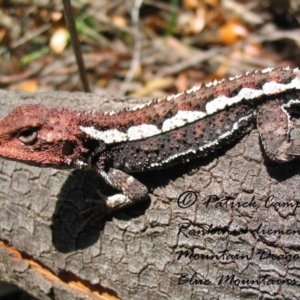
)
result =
(159, 134)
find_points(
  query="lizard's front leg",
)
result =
(133, 190)
(276, 125)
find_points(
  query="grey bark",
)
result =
(133, 254)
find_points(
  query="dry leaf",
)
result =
(178, 46)
(154, 85)
(232, 32)
(197, 24)
(119, 21)
(212, 3)
(190, 4)
(56, 16)
(59, 40)
(181, 82)
(28, 86)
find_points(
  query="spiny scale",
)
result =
(197, 103)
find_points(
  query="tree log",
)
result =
(222, 227)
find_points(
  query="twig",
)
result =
(135, 16)
(30, 35)
(76, 45)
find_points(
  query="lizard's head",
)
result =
(41, 136)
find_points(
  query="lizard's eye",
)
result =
(28, 136)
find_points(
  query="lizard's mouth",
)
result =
(32, 157)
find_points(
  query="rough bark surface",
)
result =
(134, 254)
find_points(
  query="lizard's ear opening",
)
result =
(68, 148)
(28, 136)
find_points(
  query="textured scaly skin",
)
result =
(159, 134)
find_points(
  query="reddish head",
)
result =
(41, 136)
